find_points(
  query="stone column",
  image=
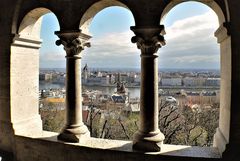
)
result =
(221, 137)
(73, 42)
(149, 40)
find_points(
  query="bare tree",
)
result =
(187, 126)
(208, 120)
(53, 117)
(169, 119)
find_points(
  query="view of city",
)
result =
(119, 80)
(188, 103)
(188, 78)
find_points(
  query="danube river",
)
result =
(134, 92)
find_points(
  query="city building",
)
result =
(171, 81)
(208, 98)
(212, 82)
(121, 95)
(86, 74)
(60, 79)
(45, 76)
(98, 81)
(194, 81)
(137, 80)
(133, 107)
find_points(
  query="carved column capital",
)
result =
(148, 39)
(222, 33)
(73, 42)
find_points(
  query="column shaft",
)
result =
(149, 94)
(73, 92)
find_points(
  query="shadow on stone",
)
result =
(6, 156)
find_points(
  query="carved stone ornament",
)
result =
(73, 42)
(148, 39)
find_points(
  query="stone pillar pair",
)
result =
(148, 40)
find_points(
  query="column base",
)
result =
(219, 140)
(74, 134)
(148, 142)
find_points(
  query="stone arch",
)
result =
(221, 137)
(212, 4)
(94, 9)
(30, 25)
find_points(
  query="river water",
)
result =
(134, 92)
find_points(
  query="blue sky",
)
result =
(190, 40)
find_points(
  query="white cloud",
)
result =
(196, 59)
(189, 26)
(191, 41)
(52, 56)
(112, 44)
(112, 50)
(52, 59)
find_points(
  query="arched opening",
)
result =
(94, 9)
(213, 5)
(190, 44)
(51, 77)
(25, 53)
(112, 66)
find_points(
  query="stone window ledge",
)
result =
(108, 148)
